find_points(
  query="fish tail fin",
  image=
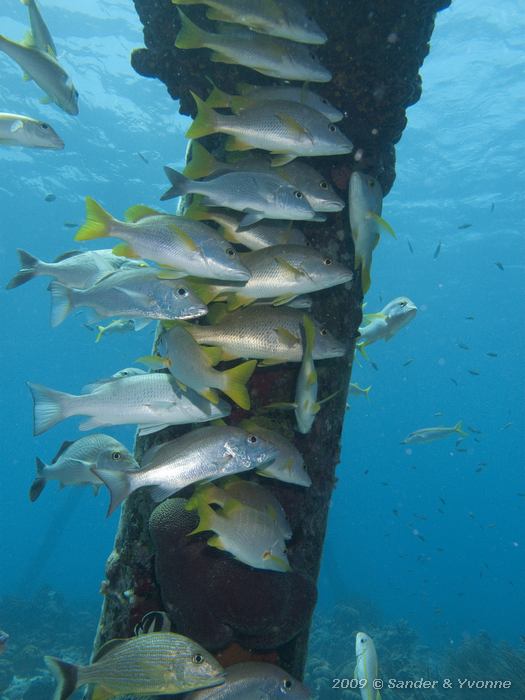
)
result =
(50, 407)
(119, 485)
(367, 392)
(360, 347)
(218, 99)
(364, 265)
(383, 223)
(28, 269)
(202, 162)
(458, 428)
(190, 36)
(66, 675)
(61, 303)
(178, 184)
(39, 482)
(235, 382)
(205, 122)
(309, 335)
(98, 222)
(101, 330)
(207, 518)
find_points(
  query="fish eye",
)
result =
(252, 439)
(327, 261)
(230, 252)
(115, 456)
(75, 92)
(287, 684)
(298, 194)
(197, 658)
(402, 303)
(323, 331)
(325, 102)
(43, 125)
(332, 128)
(182, 292)
(323, 184)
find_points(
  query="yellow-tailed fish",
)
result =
(277, 58)
(319, 194)
(255, 680)
(385, 324)
(366, 668)
(365, 201)
(47, 73)
(249, 493)
(193, 366)
(160, 663)
(248, 94)
(73, 463)
(356, 390)
(268, 333)
(39, 37)
(135, 293)
(286, 19)
(251, 536)
(259, 195)
(287, 129)
(186, 246)
(260, 235)
(153, 401)
(18, 130)
(121, 325)
(424, 435)
(204, 454)
(279, 272)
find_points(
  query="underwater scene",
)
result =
(262, 286)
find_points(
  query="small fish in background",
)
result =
(385, 324)
(121, 325)
(464, 226)
(272, 56)
(153, 401)
(39, 36)
(50, 197)
(437, 251)
(356, 390)
(474, 372)
(462, 346)
(454, 381)
(408, 362)
(374, 366)
(163, 663)
(425, 435)
(286, 19)
(367, 667)
(491, 354)
(19, 130)
(253, 537)
(365, 201)
(258, 195)
(254, 680)
(46, 72)
(438, 413)
(194, 366)
(154, 621)
(202, 454)
(473, 429)
(469, 318)
(492, 207)
(4, 638)
(73, 462)
(410, 247)
(500, 266)
(143, 158)
(507, 425)
(70, 224)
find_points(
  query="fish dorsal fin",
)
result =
(106, 648)
(69, 254)
(140, 211)
(63, 447)
(28, 41)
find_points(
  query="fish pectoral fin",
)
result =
(234, 143)
(295, 127)
(125, 250)
(148, 429)
(282, 159)
(287, 337)
(235, 301)
(218, 57)
(184, 237)
(215, 541)
(170, 274)
(154, 361)
(283, 299)
(270, 362)
(101, 693)
(250, 217)
(328, 398)
(382, 222)
(17, 125)
(285, 265)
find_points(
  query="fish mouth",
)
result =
(194, 311)
(236, 275)
(332, 205)
(56, 144)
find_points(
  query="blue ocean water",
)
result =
(424, 532)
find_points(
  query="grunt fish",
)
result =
(430, 434)
(366, 668)
(385, 324)
(18, 130)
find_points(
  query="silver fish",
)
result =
(136, 293)
(154, 401)
(258, 195)
(277, 58)
(286, 19)
(266, 333)
(39, 36)
(425, 435)
(73, 463)
(72, 269)
(385, 324)
(255, 680)
(161, 663)
(46, 72)
(18, 130)
(206, 453)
